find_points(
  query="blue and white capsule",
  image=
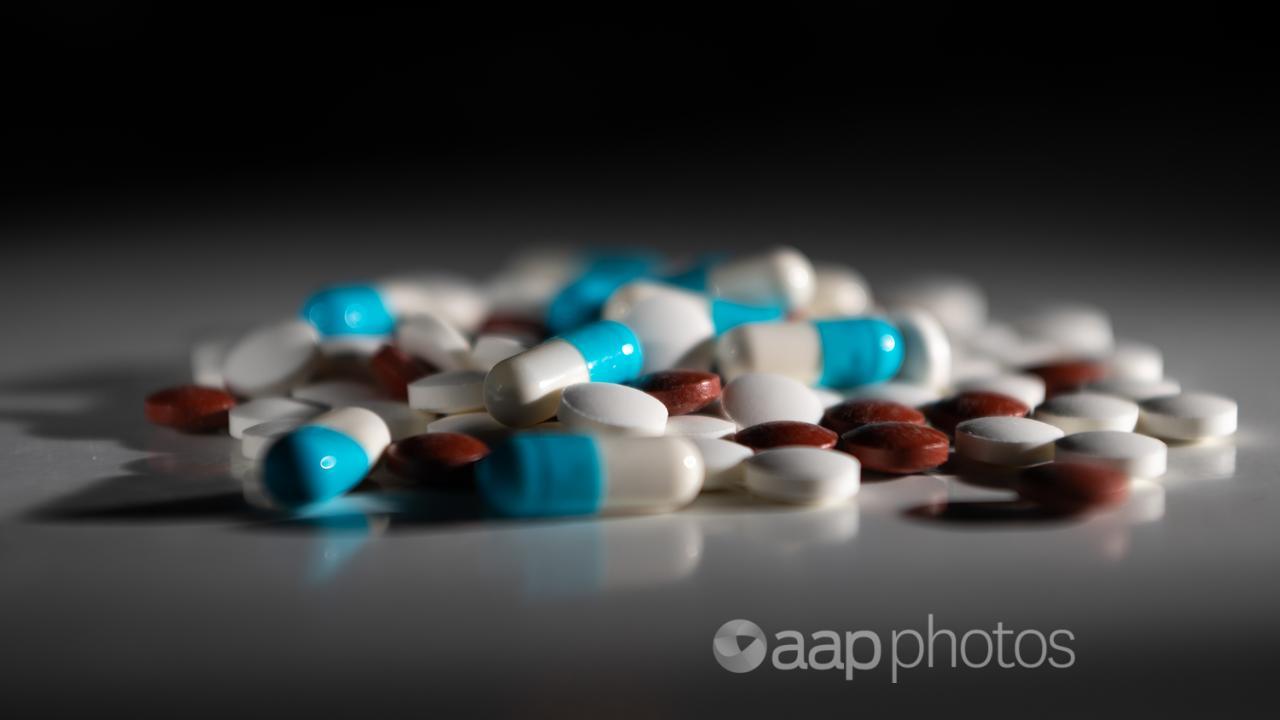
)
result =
(524, 390)
(677, 326)
(782, 276)
(552, 474)
(580, 302)
(374, 308)
(325, 458)
(838, 353)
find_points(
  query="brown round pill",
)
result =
(1072, 487)
(1068, 375)
(947, 413)
(853, 414)
(190, 408)
(682, 391)
(393, 369)
(897, 447)
(444, 460)
(781, 433)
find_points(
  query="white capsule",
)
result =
(699, 426)
(489, 350)
(782, 275)
(1087, 411)
(723, 461)
(611, 409)
(957, 303)
(1133, 454)
(1189, 416)
(434, 340)
(1075, 329)
(272, 359)
(926, 351)
(261, 410)
(755, 398)
(1136, 390)
(900, 392)
(838, 291)
(1136, 362)
(803, 475)
(335, 393)
(207, 357)
(448, 393)
(672, 327)
(1006, 441)
(1025, 387)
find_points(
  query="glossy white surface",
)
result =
(1006, 441)
(699, 426)
(611, 409)
(448, 393)
(272, 359)
(763, 397)
(1085, 411)
(802, 475)
(1136, 455)
(1189, 416)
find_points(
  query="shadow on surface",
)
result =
(987, 513)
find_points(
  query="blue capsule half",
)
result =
(349, 310)
(312, 464)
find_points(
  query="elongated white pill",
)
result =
(1007, 441)
(1189, 416)
(926, 351)
(803, 475)
(434, 340)
(723, 461)
(1133, 454)
(261, 410)
(755, 398)
(1025, 387)
(612, 409)
(699, 426)
(1135, 361)
(1087, 411)
(782, 275)
(272, 360)
(335, 393)
(448, 393)
(1136, 390)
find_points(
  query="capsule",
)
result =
(579, 302)
(374, 308)
(325, 457)
(782, 276)
(674, 324)
(551, 474)
(840, 353)
(524, 389)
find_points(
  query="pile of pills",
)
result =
(618, 383)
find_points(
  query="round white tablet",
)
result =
(1135, 361)
(1189, 416)
(899, 392)
(272, 359)
(957, 303)
(754, 398)
(335, 393)
(1137, 390)
(402, 421)
(261, 410)
(448, 393)
(433, 340)
(490, 350)
(1087, 411)
(611, 409)
(1130, 453)
(482, 425)
(723, 461)
(803, 475)
(1007, 441)
(926, 351)
(1075, 329)
(255, 440)
(1021, 386)
(699, 426)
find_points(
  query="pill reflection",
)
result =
(1201, 461)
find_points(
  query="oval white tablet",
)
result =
(335, 393)
(261, 410)
(490, 350)
(1074, 328)
(899, 392)
(699, 426)
(803, 475)
(433, 340)
(481, 425)
(1133, 454)
(1135, 361)
(271, 360)
(1189, 416)
(402, 421)
(1137, 390)
(254, 441)
(609, 408)
(1021, 386)
(723, 461)
(1088, 411)
(448, 393)
(926, 351)
(1007, 441)
(763, 397)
